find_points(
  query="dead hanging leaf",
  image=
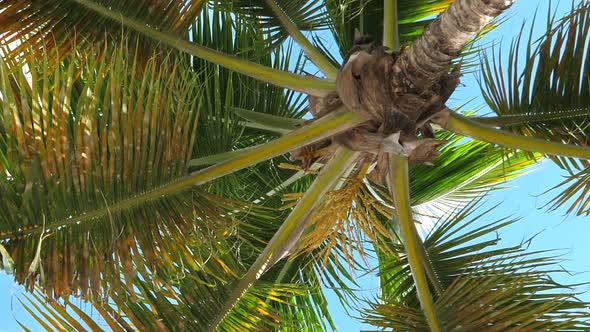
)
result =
(348, 82)
(426, 151)
(315, 152)
(7, 262)
(319, 107)
(37, 259)
(297, 168)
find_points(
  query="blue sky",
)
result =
(9, 304)
(524, 199)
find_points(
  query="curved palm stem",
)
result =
(279, 124)
(390, 27)
(399, 186)
(521, 119)
(467, 127)
(287, 237)
(306, 84)
(322, 128)
(218, 158)
(316, 57)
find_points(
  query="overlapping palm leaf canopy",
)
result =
(145, 167)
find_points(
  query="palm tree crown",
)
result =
(211, 165)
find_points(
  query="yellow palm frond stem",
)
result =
(399, 185)
(464, 126)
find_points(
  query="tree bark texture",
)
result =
(442, 41)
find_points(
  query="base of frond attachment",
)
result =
(397, 105)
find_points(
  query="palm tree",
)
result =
(143, 153)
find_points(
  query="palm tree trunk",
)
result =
(442, 41)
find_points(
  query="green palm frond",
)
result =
(552, 88)
(486, 287)
(83, 135)
(306, 16)
(310, 308)
(465, 170)
(172, 309)
(550, 95)
(67, 26)
(189, 298)
(224, 90)
(153, 35)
